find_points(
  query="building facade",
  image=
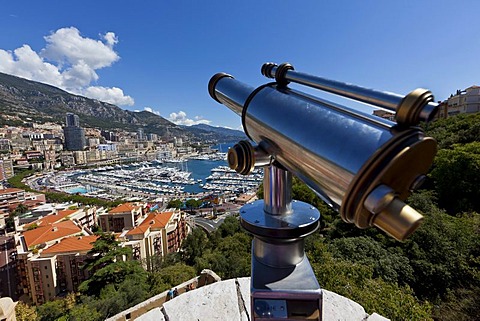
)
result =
(6, 169)
(52, 251)
(157, 235)
(463, 102)
(123, 217)
(73, 133)
(55, 270)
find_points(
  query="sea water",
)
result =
(200, 170)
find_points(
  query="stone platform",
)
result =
(230, 300)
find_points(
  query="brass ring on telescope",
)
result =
(241, 157)
(409, 109)
(397, 165)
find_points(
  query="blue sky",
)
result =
(160, 55)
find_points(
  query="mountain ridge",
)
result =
(22, 99)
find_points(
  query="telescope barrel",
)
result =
(361, 165)
(390, 101)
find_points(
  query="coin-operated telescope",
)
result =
(361, 165)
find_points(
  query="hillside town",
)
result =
(46, 248)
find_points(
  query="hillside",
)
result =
(22, 100)
(219, 134)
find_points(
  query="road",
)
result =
(208, 225)
(7, 267)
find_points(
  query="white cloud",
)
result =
(150, 109)
(68, 61)
(26, 63)
(111, 39)
(67, 45)
(112, 95)
(180, 118)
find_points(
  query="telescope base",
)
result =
(290, 293)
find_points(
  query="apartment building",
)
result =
(43, 279)
(6, 169)
(84, 217)
(463, 102)
(51, 252)
(176, 230)
(56, 269)
(123, 217)
(40, 211)
(48, 234)
(159, 234)
(70, 255)
(146, 239)
(9, 197)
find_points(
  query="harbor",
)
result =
(156, 180)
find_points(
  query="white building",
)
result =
(463, 102)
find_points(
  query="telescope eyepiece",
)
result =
(267, 69)
(241, 158)
(272, 70)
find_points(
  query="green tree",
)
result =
(388, 263)
(460, 129)
(230, 258)
(193, 204)
(194, 245)
(444, 253)
(456, 175)
(20, 209)
(51, 310)
(229, 227)
(170, 276)
(107, 264)
(175, 204)
(24, 312)
(83, 312)
(356, 281)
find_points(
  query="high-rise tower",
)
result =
(74, 134)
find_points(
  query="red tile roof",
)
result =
(72, 244)
(123, 208)
(54, 218)
(10, 190)
(164, 218)
(50, 232)
(153, 220)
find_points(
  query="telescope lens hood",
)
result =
(213, 83)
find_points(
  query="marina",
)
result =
(148, 180)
